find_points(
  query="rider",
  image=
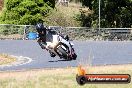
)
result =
(42, 35)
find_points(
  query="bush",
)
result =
(26, 11)
(85, 18)
(62, 16)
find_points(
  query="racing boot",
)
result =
(52, 54)
(43, 45)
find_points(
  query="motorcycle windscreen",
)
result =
(49, 37)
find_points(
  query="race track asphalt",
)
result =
(95, 52)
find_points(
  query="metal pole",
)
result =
(99, 15)
(24, 35)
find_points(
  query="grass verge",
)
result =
(6, 59)
(60, 77)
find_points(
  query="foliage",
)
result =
(10, 29)
(26, 11)
(87, 3)
(113, 13)
(116, 13)
(85, 20)
(76, 1)
(62, 16)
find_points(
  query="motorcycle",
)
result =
(59, 45)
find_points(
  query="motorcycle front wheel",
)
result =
(62, 52)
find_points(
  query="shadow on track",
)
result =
(58, 60)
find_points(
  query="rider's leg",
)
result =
(42, 44)
(55, 49)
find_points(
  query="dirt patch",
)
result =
(6, 59)
(1, 4)
(13, 36)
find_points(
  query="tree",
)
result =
(114, 13)
(26, 11)
(87, 3)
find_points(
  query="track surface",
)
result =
(102, 53)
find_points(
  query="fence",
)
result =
(20, 32)
(109, 34)
(17, 32)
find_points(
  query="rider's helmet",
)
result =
(40, 27)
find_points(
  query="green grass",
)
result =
(59, 78)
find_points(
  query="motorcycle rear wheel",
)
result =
(74, 56)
